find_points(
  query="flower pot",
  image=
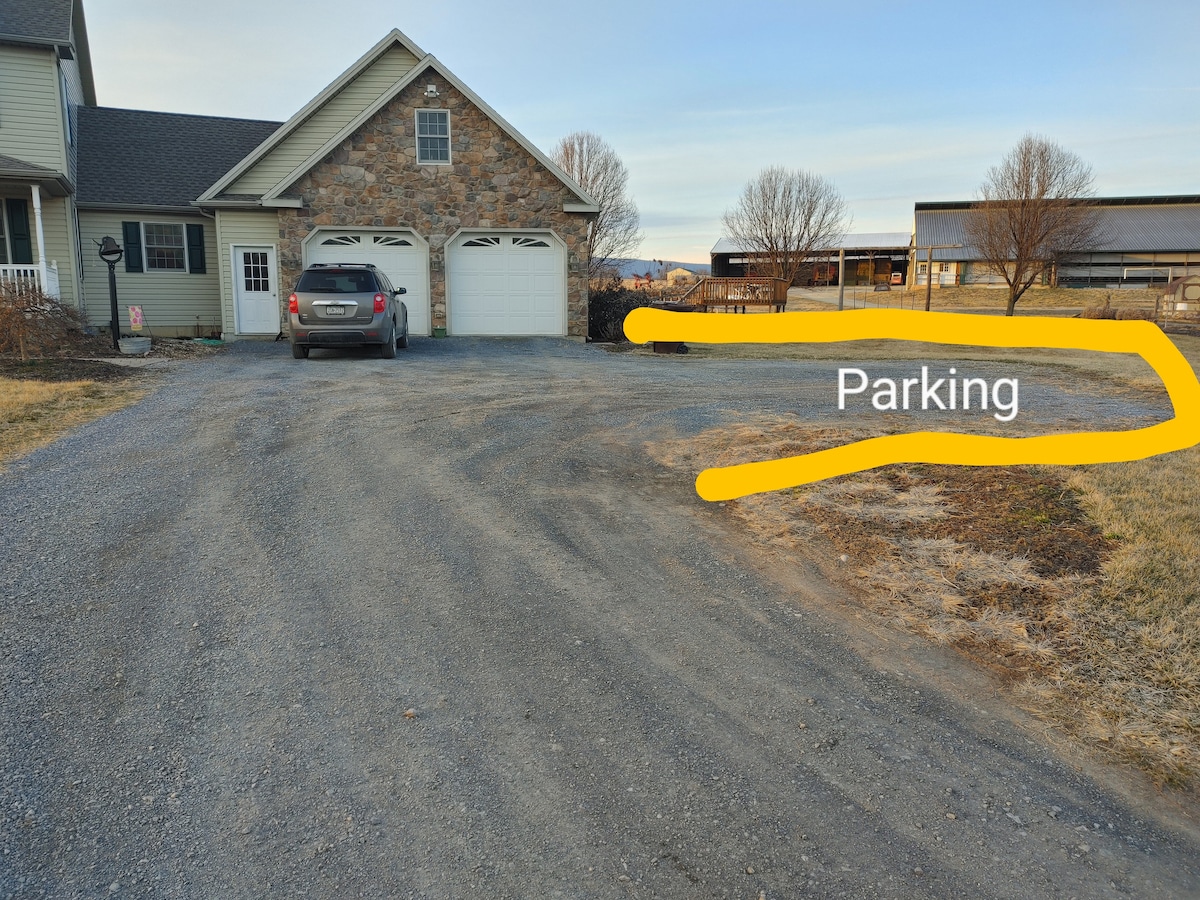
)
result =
(134, 346)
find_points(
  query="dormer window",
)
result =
(433, 136)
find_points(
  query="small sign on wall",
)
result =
(135, 318)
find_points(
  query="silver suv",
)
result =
(346, 304)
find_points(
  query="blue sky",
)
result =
(894, 102)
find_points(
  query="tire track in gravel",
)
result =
(609, 686)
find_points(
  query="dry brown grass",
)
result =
(1042, 298)
(948, 299)
(1081, 587)
(1123, 370)
(35, 413)
(1134, 674)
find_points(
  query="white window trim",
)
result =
(147, 268)
(417, 131)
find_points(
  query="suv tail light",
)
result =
(293, 304)
(380, 303)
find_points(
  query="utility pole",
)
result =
(841, 278)
(929, 268)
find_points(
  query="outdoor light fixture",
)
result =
(111, 252)
(431, 90)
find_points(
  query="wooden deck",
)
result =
(736, 294)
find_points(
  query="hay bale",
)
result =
(1099, 312)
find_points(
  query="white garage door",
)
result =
(507, 284)
(401, 256)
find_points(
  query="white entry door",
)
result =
(255, 291)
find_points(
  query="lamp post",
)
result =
(111, 253)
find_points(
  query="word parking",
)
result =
(942, 394)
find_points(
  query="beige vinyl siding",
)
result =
(56, 227)
(60, 238)
(31, 125)
(174, 303)
(242, 228)
(69, 75)
(339, 111)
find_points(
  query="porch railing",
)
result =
(738, 292)
(28, 277)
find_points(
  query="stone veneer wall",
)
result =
(373, 180)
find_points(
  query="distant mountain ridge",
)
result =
(630, 267)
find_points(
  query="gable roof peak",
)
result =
(429, 62)
(398, 36)
(386, 43)
(424, 62)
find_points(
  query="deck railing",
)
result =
(28, 277)
(738, 292)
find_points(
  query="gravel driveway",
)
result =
(440, 628)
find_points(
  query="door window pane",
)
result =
(255, 273)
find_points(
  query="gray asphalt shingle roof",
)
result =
(25, 174)
(1127, 227)
(11, 167)
(130, 157)
(42, 21)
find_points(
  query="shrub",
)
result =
(608, 305)
(1144, 315)
(33, 323)
(1099, 312)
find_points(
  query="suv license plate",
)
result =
(335, 310)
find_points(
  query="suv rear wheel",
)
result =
(388, 348)
(299, 351)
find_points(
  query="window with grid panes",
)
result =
(433, 136)
(164, 247)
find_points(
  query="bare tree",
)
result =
(1033, 211)
(783, 216)
(614, 232)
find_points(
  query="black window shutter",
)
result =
(133, 246)
(195, 245)
(19, 237)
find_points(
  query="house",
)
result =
(45, 76)
(680, 275)
(1142, 240)
(396, 163)
(139, 176)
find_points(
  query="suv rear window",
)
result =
(336, 281)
